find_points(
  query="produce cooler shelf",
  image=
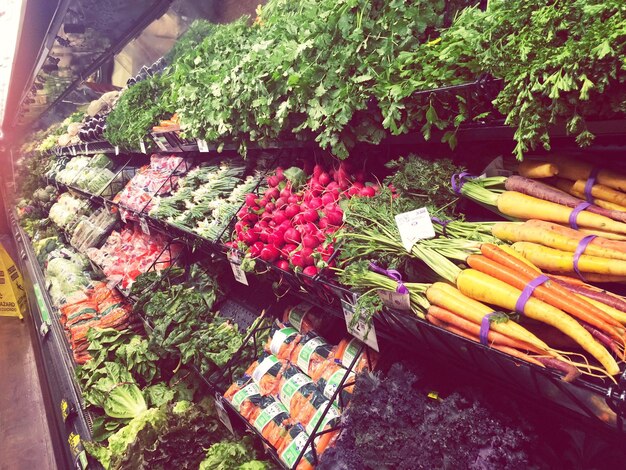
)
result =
(602, 404)
(64, 406)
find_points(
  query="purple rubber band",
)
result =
(393, 274)
(574, 215)
(589, 184)
(484, 328)
(580, 249)
(443, 223)
(528, 292)
(461, 177)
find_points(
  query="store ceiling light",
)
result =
(11, 15)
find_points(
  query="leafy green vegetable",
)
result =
(231, 455)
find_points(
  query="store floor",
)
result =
(24, 435)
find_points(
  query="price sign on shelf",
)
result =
(235, 265)
(203, 146)
(222, 413)
(362, 331)
(142, 146)
(117, 150)
(413, 226)
(143, 223)
(393, 299)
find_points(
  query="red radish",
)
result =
(285, 225)
(368, 191)
(292, 236)
(279, 216)
(263, 224)
(328, 198)
(264, 236)
(317, 171)
(332, 186)
(356, 184)
(282, 264)
(310, 215)
(293, 199)
(250, 199)
(296, 259)
(289, 247)
(279, 174)
(324, 179)
(270, 207)
(334, 217)
(315, 203)
(323, 223)
(280, 202)
(256, 248)
(249, 237)
(298, 219)
(316, 188)
(269, 253)
(307, 256)
(291, 210)
(310, 271)
(286, 192)
(276, 239)
(310, 241)
(273, 181)
(272, 193)
(263, 202)
(239, 226)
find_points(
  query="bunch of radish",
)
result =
(291, 223)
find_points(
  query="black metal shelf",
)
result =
(64, 404)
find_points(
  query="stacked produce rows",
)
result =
(385, 237)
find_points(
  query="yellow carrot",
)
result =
(528, 233)
(448, 297)
(574, 169)
(577, 188)
(558, 261)
(485, 288)
(526, 207)
(613, 312)
(603, 233)
(533, 169)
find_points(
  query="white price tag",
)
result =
(43, 329)
(117, 150)
(413, 226)
(362, 331)
(222, 414)
(395, 300)
(143, 223)
(142, 146)
(235, 265)
(203, 146)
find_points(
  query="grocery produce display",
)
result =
(284, 285)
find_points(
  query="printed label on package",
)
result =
(291, 453)
(263, 367)
(333, 413)
(269, 414)
(292, 385)
(279, 338)
(297, 314)
(304, 358)
(241, 395)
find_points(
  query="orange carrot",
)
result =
(474, 329)
(517, 274)
(512, 351)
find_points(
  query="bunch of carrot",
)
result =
(497, 277)
(523, 197)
